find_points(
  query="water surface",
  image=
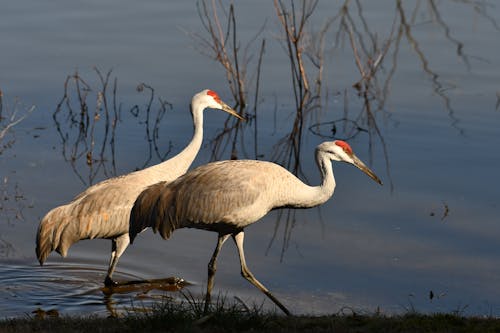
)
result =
(427, 240)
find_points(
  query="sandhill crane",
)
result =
(103, 210)
(227, 196)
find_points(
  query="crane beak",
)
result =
(230, 110)
(359, 164)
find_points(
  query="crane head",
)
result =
(339, 150)
(210, 99)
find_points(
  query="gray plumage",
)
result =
(214, 197)
(227, 196)
(103, 210)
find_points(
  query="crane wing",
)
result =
(221, 196)
(216, 192)
(100, 211)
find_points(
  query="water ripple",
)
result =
(30, 290)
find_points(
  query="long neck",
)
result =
(180, 163)
(325, 190)
(311, 196)
(188, 154)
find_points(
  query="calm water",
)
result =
(431, 133)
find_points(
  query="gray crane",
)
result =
(227, 196)
(103, 210)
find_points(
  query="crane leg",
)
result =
(245, 272)
(212, 267)
(118, 246)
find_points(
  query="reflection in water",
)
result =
(294, 23)
(73, 289)
(12, 199)
(7, 250)
(87, 118)
(363, 102)
(288, 149)
(329, 129)
(144, 290)
(78, 122)
(374, 54)
(12, 203)
(224, 47)
(152, 129)
(438, 87)
(10, 117)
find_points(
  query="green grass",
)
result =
(188, 316)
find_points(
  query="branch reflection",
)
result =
(221, 43)
(375, 56)
(11, 116)
(13, 202)
(87, 119)
(363, 111)
(78, 121)
(152, 129)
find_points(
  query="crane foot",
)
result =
(108, 282)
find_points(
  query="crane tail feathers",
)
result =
(163, 219)
(53, 234)
(150, 210)
(141, 214)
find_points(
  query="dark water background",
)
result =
(427, 123)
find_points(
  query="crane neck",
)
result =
(180, 163)
(306, 196)
(193, 147)
(325, 190)
(188, 154)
